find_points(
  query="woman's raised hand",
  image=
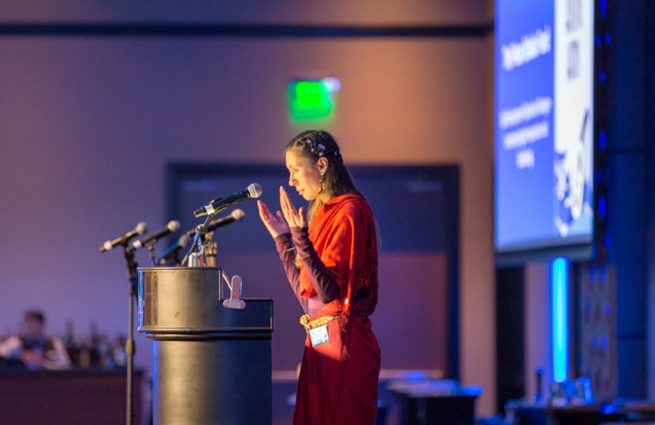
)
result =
(294, 217)
(274, 223)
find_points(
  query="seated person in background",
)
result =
(33, 347)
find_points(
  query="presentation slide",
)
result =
(543, 123)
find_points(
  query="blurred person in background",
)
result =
(33, 347)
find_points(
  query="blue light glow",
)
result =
(603, 140)
(416, 375)
(602, 208)
(560, 318)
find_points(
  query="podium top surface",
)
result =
(175, 269)
(188, 301)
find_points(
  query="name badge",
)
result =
(319, 335)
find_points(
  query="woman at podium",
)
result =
(333, 273)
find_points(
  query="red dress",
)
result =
(338, 383)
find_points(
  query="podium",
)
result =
(211, 364)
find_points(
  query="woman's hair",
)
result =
(315, 144)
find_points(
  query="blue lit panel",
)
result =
(544, 115)
(560, 318)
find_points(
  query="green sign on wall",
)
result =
(312, 99)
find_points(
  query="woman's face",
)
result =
(303, 175)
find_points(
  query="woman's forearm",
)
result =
(323, 279)
(288, 256)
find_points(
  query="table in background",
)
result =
(575, 415)
(431, 401)
(389, 407)
(71, 397)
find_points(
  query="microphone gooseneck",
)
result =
(172, 253)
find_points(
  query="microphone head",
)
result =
(141, 228)
(238, 214)
(173, 225)
(255, 190)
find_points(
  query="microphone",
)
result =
(252, 191)
(172, 253)
(219, 222)
(172, 227)
(140, 229)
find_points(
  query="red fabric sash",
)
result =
(343, 235)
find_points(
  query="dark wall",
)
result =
(628, 187)
(650, 178)
(510, 335)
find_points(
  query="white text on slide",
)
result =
(530, 47)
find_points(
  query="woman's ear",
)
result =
(322, 165)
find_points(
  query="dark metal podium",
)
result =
(211, 364)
